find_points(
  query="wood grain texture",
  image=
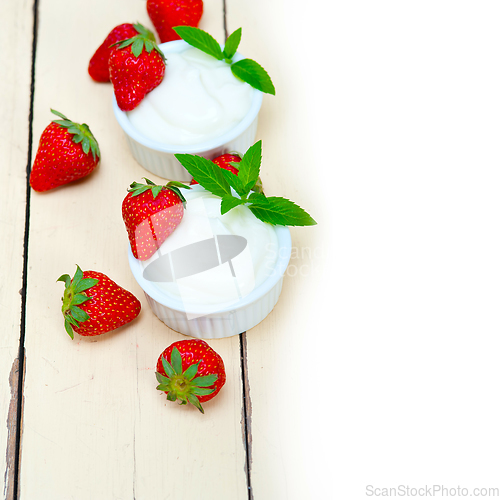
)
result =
(16, 36)
(94, 424)
(378, 365)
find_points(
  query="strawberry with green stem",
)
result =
(94, 304)
(136, 67)
(67, 151)
(151, 212)
(190, 371)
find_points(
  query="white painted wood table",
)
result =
(378, 367)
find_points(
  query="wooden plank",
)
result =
(378, 365)
(94, 424)
(16, 36)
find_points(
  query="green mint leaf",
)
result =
(249, 167)
(229, 202)
(201, 40)
(234, 181)
(232, 42)
(280, 211)
(206, 173)
(254, 74)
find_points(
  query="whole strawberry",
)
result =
(136, 67)
(151, 213)
(98, 65)
(93, 304)
(224, 161)
(166, 14)
(67, 151)
(190, 371)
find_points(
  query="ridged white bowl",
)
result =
(158, 158)
(238, 318)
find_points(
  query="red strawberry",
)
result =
(67, 151)
(166, 14)
(151, 213)
(98, 65)
(190, 371)
(224, 161)
(136, 67)
(93, 304)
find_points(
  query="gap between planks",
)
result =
(16, 378)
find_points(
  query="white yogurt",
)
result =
(199, 99)
(218, 287)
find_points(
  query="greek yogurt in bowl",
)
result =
(215, 275)
(199, 108)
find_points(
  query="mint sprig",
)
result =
(246, 69)
(273, 210)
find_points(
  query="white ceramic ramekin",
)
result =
(159, 159)
(226, 322)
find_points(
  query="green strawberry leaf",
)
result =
(66, 278)
(206, 173)
(254, 74)
(69, 330)
(195, 402)
(162, 379)
(163, 387)
(80, 299)
(84, 284)
(176, 360)
(201, 391)
(81, 134)
(201, 40)
(191, 372)
(279, 211)
(205, 380)
(172, 396)
(229, 202)
(137, 47)
(78, 314)
(167, 367)
(231, 45)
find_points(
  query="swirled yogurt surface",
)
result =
(228, 282)
(199, 99)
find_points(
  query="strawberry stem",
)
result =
(81, 134)
(184, 386)
(72, 297)
(137, 188)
